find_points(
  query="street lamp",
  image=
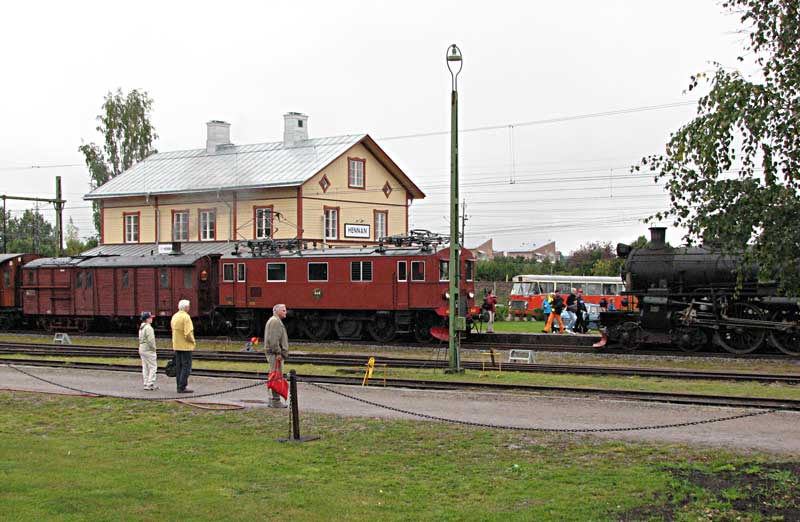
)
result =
(454, 64)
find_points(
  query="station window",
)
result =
(131, 227)
(381, 218)
(163, 278)
(180, 226)
(276, 272)
(208, 225)
(188, 278)
(361, 270)
(331, 223)
(227, 272)
(418, 270)
(356, 173)
(263, 222)
(444, 270)
(241, 272)
(402, 271)
(126, 283)
(318, 271)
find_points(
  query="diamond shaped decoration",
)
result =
(324, 183)
(387, 189)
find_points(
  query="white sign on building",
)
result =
(164, 249)
(357, 231)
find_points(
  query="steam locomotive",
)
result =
(698, 298)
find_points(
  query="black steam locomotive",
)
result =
(696, 298)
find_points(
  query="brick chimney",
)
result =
(295, 128)
(218, 133)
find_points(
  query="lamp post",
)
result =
(454, 64)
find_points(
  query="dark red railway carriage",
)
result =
(11, 288)
(111, 291)
(383, 291)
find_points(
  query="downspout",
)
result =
(230, 215)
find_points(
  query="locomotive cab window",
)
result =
(402, 271)
(418, 270)
(188, 278)
(241, 272)
(444, 270)
(276, 272)
(227, 272)
(361, 271)
(469, 270)
(163, 278)
(125, 279)
(318, 271)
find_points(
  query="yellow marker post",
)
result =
(368, 372)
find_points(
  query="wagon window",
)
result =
(30, 277)
(188, 278)
(89, 279)
(241, 273)
(469, 269)
(276, 272)
(227, 272)
(79, 280)
(163, 278)
(418, 270)
(6, 279)
(547, 287)
(444, 270)
(125, 279)
(318, 271)
(361, 271)
(402, 271)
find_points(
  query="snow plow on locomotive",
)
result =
(697, 298)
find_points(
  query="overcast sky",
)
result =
(379, 68)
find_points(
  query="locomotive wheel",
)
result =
(422, 327)
(789, 341)
(382, 329)
(741, 339)
(316, 327)
(348, 328)
(630, 335)
(293, 329)
(690, 339)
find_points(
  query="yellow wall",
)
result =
(356, 206)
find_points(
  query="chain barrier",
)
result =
(134, 397)
(527, 428)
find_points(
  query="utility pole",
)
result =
(59, 204)
(453, 58)
(59, 221)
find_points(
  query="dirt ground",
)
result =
(774, 432)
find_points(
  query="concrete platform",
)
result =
(773, 433)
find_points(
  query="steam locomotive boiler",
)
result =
(699, 297)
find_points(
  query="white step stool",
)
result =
(525, 356)
(61, 338)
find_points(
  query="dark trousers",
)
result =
(580, 325)
(183, 367)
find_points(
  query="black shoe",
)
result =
(277, 405)
(186, 390)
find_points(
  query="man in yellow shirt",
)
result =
(183, 344)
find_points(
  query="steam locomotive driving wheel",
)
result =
(740, 338)
(630, 335)
(787, 341)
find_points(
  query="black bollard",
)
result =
(295, 412)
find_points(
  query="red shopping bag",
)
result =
(277, 383)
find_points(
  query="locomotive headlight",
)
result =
(471, 295)
(446, 295)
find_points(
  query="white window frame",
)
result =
(183, 228)
(331, 224)
(208, 230)
(241, 277)
(285, 274)
(466, 264)
(442, 262)
(412, 272)
(355, 173)
(308, 272)
(264, 221)
(233, 272)
(132, 228)
(405, 279)
(381, 215)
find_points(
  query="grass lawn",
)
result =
(518, 326)
(79, 459)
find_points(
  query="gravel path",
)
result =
(774, 432)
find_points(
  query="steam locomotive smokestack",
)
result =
(658, 237)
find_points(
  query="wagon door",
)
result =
(8, 289)
(84, 294)
(401, 285)
(165, 304)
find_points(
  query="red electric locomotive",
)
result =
(384, 290)
(78, 293)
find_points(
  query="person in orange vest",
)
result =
(557, 306)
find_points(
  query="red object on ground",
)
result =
(277, 383)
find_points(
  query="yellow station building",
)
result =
(332, 191)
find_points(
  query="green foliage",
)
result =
(583, 260)
(30, 233)
(733, 172)
(128, 138)
(74, 245)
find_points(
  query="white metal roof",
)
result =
(258, 165)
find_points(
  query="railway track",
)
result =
(675, 398)
(404, 362)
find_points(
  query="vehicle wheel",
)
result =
(630, 335)
(740, 339)
(382, 329)
(690, 339)
(293, 329)
(348, 328)
(787, 341)
(422, 328)
(317, 328)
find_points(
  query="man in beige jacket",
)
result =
(183, 343)
(276, 342)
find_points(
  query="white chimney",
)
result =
(217, 133)
(295, 128)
